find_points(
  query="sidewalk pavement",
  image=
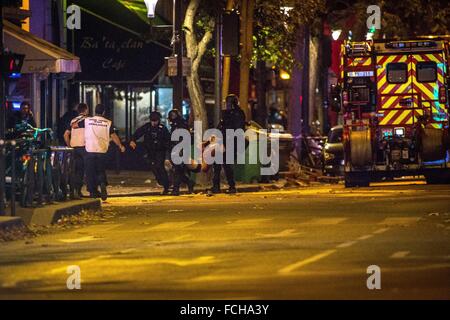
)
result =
(142, 183)
(47, 214)
(10, 222)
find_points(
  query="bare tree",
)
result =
(196, 45)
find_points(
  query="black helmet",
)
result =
(174, 112)
(232, 101)
(155, 116)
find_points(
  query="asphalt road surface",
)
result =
(311, 243)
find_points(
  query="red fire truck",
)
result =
(395, 106)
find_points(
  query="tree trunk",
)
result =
(195, 50)
(248, 8)
(296, 102)
(226, 61)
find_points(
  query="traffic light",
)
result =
(11, 65)
(230, 33)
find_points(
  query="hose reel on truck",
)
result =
(432, 144)
(360, 148)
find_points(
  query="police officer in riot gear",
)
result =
(232, 118)
(157, 144)
(176, 121)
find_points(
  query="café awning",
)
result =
(40, 55)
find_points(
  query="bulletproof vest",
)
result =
(178, 123)
(155, 139)
(233, 119)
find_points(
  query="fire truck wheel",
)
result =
(360, 148)
(354, 179)
(432, 144)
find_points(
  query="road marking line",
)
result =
(399, 221)
(367, 236)
(399, 254)
(112, 264)
(247, 222)
(324, 221)
(173, 225)
(282, 234)
(379, 231)
(82, 239)
(305, 262)
(99, 228)
(346, 244)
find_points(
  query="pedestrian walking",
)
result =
(176, 121)
(74, 138)
(232, 118)
(157, 144)
(97, 134)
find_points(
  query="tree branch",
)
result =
(203, 44)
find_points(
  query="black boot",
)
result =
(94, 195)
(103, 192)
(215, 189)
(232, 190)
(191, 185)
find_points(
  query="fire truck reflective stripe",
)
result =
(426, 93)
(390, 116)
(382, 59)
(426, 90)
(432, 57)
(404, 115)
(360, 61)
(440, 73)
(399, 117)
(389, 101)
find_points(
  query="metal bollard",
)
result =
(13, 178)
(2, 178)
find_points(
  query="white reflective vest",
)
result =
(77, 134)
(97, 134)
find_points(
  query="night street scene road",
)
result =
(224, 156)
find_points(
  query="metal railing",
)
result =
(34, 175)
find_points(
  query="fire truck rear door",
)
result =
(427, 77)
(394, 87)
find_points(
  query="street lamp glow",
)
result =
(335, 34)
(284, 75)
(286, 10)
(151, 5)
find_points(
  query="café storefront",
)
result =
(123, 65)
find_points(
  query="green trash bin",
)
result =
(250, 171)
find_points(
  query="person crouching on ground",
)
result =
(180, 172)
